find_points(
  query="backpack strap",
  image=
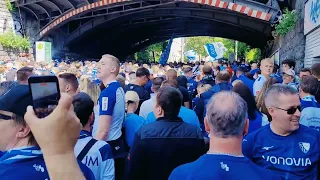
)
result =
(86, 149)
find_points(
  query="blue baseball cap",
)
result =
(16, 101)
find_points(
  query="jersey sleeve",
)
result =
(107, 102)
(107, 164)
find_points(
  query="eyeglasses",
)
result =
(291, 110)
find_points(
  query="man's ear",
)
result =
(91, 118)
(23, 131)
(271, 111)
(246, 127)
(206, 125)
(68, 87)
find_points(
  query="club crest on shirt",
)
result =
(305, 147)
(104, 104)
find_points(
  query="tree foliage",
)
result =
(197, 44)
(254, 55)
(287, 23)
(152, 52)
(9, 40)
(9, 5)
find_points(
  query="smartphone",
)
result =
(45, 94)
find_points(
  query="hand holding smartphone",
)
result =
(45, 94)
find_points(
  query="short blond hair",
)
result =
(114, 60)
(267, 60)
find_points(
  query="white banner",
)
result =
(43, 51)
(311, 15)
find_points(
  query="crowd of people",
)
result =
(202, 120)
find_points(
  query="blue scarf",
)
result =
(19, 154)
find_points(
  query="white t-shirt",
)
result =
(258, 84)
(147, 107)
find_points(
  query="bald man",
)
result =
(173, 75)
(266, 70)
(108, 125)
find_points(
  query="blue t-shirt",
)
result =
(310, 114)
(248, 82)
(255, 124)
(132, 123)
(28, 163)
(187, 115)
(213, 166)
(295, 156)
(191, 85)
(148, 87)
(112, 103)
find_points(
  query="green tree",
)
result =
(243, 49)
(197, 44)
(152, 52)
(254, 55)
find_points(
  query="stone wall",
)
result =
(20, 24)
(292, 46)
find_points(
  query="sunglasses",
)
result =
(291, 110)
(5, 117)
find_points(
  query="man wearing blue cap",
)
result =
(16, 139)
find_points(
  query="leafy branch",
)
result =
(287, 23)
(9, 40)
(9, 5)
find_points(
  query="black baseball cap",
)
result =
(16, 101)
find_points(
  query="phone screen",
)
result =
(45, 96)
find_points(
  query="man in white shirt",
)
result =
(266, 68)
(147, 106)
(97, 155)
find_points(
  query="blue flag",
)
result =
(165, 53)
(211, 50)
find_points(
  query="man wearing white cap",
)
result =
(132, 121)
(288, 78)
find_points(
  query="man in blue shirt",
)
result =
(161, 146)
(242, 77)
(23, 157)
(224, 160)
(191, 83)
(284, 146)
(97, 155)
(266, 70)
(310, 114)
(187, 115)
(111, 110)
(132, 122)
(222, 84)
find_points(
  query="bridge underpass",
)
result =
(124, 27)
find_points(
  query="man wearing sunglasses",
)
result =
(284, 146)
